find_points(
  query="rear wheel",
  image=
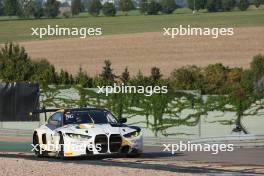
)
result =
(36, 145)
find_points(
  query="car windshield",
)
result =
(89, 116)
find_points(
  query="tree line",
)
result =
(228, 89)
(50, 8)
(16, 65)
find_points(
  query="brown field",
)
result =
(142, 51)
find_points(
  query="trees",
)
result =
(243, 5)
(149, 8)
(213, 5)
(126, 6)
(199, 4)
(109, 9)
(44, 73)
(15, 64)
(65, 78)
(153, 8)
(107, 73)
(10, 7)
(52, 8)
(26, 8)
(143, 6)
(243, 99)
(1, 7)
(215, 79)
(228, 5)
(168, 6)
(125, 76)
(187, 78)
(76, 7)
(38, 10)
(95, 7)
(155, 74)
(83, 79)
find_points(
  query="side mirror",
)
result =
(122, 120)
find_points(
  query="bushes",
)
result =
(257, 3)
(95, 7)
(66, 14)
(243, 5)
(109, 9)
(168, 6)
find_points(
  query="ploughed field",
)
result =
(141, 51)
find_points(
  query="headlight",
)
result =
(78, 136)
(133, 134)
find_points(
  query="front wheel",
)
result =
(36, 145)
(61, 147)
(133, 155)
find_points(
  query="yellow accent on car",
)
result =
(68, 153)
(84, 126)
(125, 142)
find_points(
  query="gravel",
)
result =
(26, 167)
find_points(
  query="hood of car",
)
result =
(94, 129)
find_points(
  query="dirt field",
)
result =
(142, 51)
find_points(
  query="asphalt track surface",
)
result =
(246, 161)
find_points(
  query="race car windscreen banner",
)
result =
(17, 100)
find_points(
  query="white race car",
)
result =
(86, 131)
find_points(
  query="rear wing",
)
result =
(43, 110)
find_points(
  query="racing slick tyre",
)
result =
(61, 148)
(133, 155)
(36, 143)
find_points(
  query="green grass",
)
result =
(15, 146)
(13, 29)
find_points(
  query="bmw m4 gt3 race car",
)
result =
(86, 131)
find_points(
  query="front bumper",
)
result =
(103, 146)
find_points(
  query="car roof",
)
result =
(83, 109)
